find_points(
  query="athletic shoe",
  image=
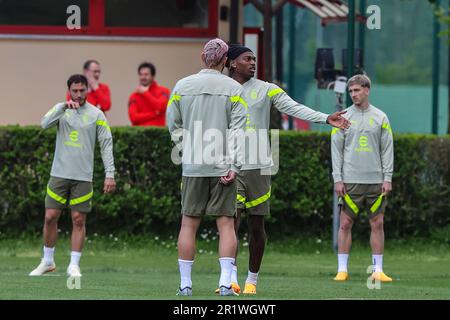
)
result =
(224, 291)
(186, 291)
(235, 287)
(73, 271)
(43, 268)
(341, 276)
(249, 288)
(381, 276)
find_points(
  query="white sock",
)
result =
(48, 255)
(185, 272)
(226, 268)
(234, 275)
(252, 277)
(75, 258)
(377, 261)
(342, 262)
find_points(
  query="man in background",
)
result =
(98, 93)
(147, 105)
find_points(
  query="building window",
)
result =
(157, 14)
(39, 13)
(168, 18)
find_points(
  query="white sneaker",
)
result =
(43, 268)
(73, 271)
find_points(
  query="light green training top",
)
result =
(75, 141)
(364, 153)
(260, 96)
(207, 114)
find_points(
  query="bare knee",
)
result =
(190, 223)
(376, 223)
(225, 224)
(346, 223)
(51, 217)
(189, 227)
(78, 220)
(256, 226)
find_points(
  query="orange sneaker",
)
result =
(381, 276)
(341, 276)
(249, 288)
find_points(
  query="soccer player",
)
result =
(79, 124)
(207, 103)
(363, 163)
(254, 186)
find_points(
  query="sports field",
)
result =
(146, 268)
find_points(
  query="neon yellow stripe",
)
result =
(174, 97)
(274, 92)
(240, 198)
(103, 123)
(243, 102)
(351, 204)
(240, 100)
(387, 127)
(55, 196)
(258, 201)
(82, 199)
(334, 131)
(377, 204)
(52, 111)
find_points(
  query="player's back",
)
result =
(205, 104)
(207, 97)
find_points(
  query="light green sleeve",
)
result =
(387, 150)
(239, 111)
(52, 117)
(105, 140)
(337, 153)
(174, 119)
(286, 104)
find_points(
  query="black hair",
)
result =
(149, 65)
(88, 63)
(77, 78)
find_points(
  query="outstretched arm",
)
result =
(286, 104)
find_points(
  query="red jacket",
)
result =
(100, 98)
(149, 108)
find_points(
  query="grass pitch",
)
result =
(146, 268)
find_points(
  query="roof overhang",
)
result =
(328, 10)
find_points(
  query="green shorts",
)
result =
(206, 195)
(63, 193)
(363, 198)
(254, 192)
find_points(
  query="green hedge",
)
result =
(148, 192)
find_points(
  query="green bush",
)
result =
(148, 184)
